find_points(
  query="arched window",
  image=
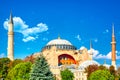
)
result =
(66, 59)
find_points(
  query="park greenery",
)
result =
(67, 75)
(38, 69)
(101, 75)
(4, 62)
(20, 72)
(95, 72)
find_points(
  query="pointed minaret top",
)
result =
(91, 51)
(113, 30)
(104, 61)
(58, 36)
(90, 44)
(11, 19)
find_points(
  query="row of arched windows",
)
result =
(68, 47)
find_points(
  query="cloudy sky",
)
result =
(36, 22)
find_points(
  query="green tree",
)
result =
(101, 75)
(30, 58)
(20, 71)
(12, 64)
(90, 69)
(101, 67)
(67, 75)
(112, 70)
(4, 67)
(40, 70)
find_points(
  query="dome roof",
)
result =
(106, 65)
(59, 42)
(87, 63)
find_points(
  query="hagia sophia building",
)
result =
(61, 54)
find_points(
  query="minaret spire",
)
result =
(104, 61)
(10, 49)
(113, 52)
(11, 19)
(91, 51)
(113, 30)
(90, 44)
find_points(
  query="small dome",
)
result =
(72, 66)
(106, 65)
(59, 41)
(87, 63)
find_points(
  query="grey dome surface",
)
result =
(60, 44)
(59, 41)
(87, 63)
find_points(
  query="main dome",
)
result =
(60, 44)
(59, 41)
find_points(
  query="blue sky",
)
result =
(79, 21)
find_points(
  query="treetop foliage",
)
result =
(101, 75)
(90, 69)
(4, 62)
(40, 70)
(67, 75)
(20, 71)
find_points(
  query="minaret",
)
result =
(104, 61)
(10, 48)
(113, 52)
(91, 51)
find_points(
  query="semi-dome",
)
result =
(60, 44)
(87, 63)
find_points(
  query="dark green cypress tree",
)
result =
(40, 70)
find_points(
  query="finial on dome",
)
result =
(58, 36)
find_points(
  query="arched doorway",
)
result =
(66, 59)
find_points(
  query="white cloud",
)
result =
(109, 55)
(101, 56)
(97, 55)
(29, 33)
(118, 52)
(95, 52)
(19, 24)
(45, 39)
(2, 55)
(34, 30)
(94, 39)
(106, 31)
(28, 38)
(78, 37)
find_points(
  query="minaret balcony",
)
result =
(10, 33)
(113, 42)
